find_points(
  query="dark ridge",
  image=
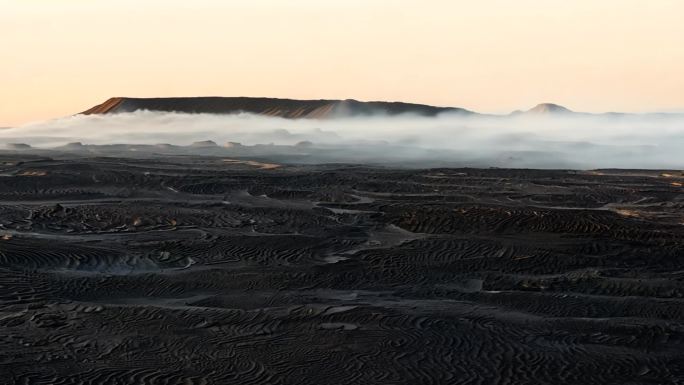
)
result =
(204, 143)
(284, 108)
(18, 146)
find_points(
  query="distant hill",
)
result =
(548, 108)
(284, 108)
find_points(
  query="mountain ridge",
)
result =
(285, 108)
(319, 108)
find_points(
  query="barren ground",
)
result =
(196, 270)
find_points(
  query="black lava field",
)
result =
(206, 270)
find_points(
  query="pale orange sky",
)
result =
(62, 56)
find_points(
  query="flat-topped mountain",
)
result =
(284, 108)
(323, 108)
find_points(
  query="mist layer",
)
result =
(575, 141)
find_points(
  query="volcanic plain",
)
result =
(207, 270)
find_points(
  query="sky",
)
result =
(59, 57)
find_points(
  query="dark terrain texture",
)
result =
(202, 270)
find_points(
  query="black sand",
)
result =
(193, 270)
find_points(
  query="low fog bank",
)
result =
(575, 141)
